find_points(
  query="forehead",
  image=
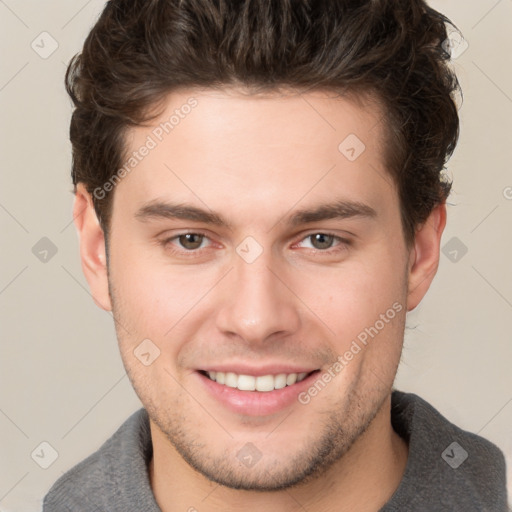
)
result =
(274, 119)
(230, 147)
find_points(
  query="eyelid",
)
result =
(169, 239)
(342, 241)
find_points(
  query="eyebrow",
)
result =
(341, 209)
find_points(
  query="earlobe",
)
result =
(424, 256)
(92, 247)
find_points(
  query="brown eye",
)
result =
(191, 241)
(321, 240)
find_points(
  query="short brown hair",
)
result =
(139, 51)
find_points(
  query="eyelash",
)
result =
(191, 253)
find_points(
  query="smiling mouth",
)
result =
(263, 383)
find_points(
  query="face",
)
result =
(259, 238)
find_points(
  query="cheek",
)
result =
(152, 295)
(352, 296)
(156, 296)
(363, 306)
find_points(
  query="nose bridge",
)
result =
(259, 304)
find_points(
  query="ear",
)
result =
(92, 247)
(424, 256)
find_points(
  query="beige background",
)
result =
(62, 380)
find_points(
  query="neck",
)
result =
(364, 479)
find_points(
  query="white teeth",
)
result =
(231, 380)
(262, 383)
(246, 383)
(280, 381)
(291, 379)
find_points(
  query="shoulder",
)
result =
(117, 464)
(429, 427)
(448, 467)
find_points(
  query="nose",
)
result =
(258, 302)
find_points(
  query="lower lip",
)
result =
(256, 403)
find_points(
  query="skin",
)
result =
(256, 160)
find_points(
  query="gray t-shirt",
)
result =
(448, 469)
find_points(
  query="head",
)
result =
(286, 210)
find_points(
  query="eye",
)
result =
(324, 241)
(321, 240)
(187, 241)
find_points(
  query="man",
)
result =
(260, 202)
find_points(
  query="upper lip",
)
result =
(257, 371)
